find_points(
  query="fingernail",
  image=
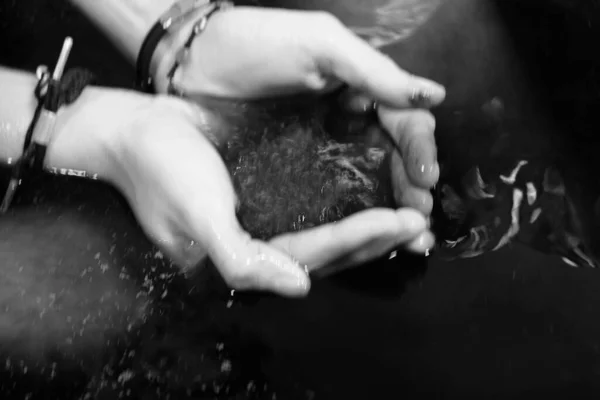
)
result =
(426, 173)
(296, 283)
(428, 169)
(420, 98)
(423, 243)
(424, 167)
(427, 94)
(426, 240)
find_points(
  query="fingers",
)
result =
(413, 132)
(188, 191)
(278, 266)
(405, 192)
(246, 263)
(354, 240)
(347, 57)
(422, 244)
(413, 151)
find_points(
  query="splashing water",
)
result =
(530, 205)
(520, 201)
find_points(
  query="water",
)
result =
(513, 323)
(381, 22)
(510, 199)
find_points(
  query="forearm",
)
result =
(17, 106)
(74, 145)
(126, 22)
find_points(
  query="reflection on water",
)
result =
(395, 21)
(380, 22)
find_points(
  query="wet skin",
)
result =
(513, 324)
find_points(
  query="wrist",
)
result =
(88, 133)
(165, 55)
(66, 149)
(76, 146)
(171, 50)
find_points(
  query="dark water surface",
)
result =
(89, 307)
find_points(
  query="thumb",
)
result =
(349, 58)
(250, 264)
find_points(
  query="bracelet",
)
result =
(183, 54)
(170, 19)
(53, 90)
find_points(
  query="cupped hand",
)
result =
(182, 194)
(413, 162)
(255, 52)
(250, 52)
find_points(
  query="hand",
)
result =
(413, 163)
(181, 193)
(415, 169)
(251, 52)
(283, 52)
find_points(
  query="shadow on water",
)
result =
(89, 306)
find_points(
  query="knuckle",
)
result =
(324, 34)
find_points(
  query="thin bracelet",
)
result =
(184, 53)
(168, 21)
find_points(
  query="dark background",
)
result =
(512, 324)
